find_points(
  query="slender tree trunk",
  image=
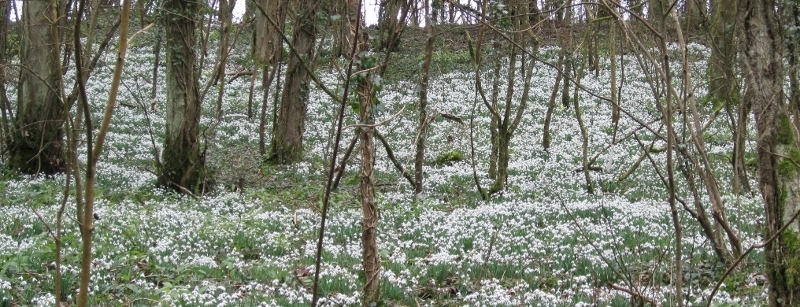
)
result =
(495, 121)
(511, 117)
(183, 165)
(5, 104)
(389, 24)
(694, 13)
(94, 147)
(584, 134)
(156, 63)
(612, 55)
(568, 57)
(777, 147)
(344, 26)
(723, 87)
(37, 142)
(287, 143)
(225, 22)
(419, 159)
(551, 105)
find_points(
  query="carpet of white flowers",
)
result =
(252, 241)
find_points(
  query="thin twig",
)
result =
(384, 122)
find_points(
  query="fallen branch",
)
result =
(390, 154)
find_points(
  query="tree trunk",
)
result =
(225, 22)
(510, 119)
(694, 12)
(777, 147)
(503, 142)
(551, 105)
(5, 104)
(495, 122)
(419, 158)
(389, 25)
(287, 143)
(182, 163)
(657, 10)
(267, 40)
(723, 89)
(37, 142)
(344, 26)
(612, 56)
(370, 257)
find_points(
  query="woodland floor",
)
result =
(251, 241)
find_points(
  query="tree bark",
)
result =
(225, 22)
(287, 143)
(419, 157)
(526, 42)
(183, 165)
(267, 40)
(37, 141)
(777, 147)
(371, 257)
(5, 104)
(389, 24)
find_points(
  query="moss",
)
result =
(791, 250)
(784, 130)
(448, 158)
(787, 166)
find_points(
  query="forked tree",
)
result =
(506, 116)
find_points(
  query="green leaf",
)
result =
(133, 288)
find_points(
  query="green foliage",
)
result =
(452, 59)
(791, 252)
(787, 166)
(449, 158)
(12, 43)
(784, 132)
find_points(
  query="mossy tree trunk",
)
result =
(287, 143)
(37, 140)
(777, 147)
(182, 164)
(509, 118)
